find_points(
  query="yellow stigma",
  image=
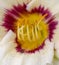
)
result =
(32, 30)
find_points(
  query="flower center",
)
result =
(31, 30)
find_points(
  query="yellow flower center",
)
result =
(32, 30)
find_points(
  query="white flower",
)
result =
(29, 32)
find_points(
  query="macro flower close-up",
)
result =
(29, 32)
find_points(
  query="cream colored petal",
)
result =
(7, 59)
(6, 44)
(4, 49)
(57, 49)
(18, 59)
(56, 38)
(32, 4)
(2, 4)
(48, 52)
(56, 62)
(40, 57)
(13, 58)
(2, 29)
(2, 32)
(50, 3)
(36, 3)
(1, 15)
(23, 1)
(53, 5)
(55, 9)
(10, 36)
(9, 3)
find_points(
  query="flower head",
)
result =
(31, 28)
(31, 31)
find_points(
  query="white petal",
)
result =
(6, 44)
(1, 15)
(10, 36)
(2, 4)
(56, 62)
(48, 52)
(57, 49)
(36, 3)
(56, 40)
(23, 1)
(13, 58)
(2, 32)
(4, 49)
(18, 59)
(53, 5)
(33, 4)
(10, 3)
(8, 58)
(55, 9)
(40, 57)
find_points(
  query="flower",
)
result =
(29, 32)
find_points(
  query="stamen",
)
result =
(20, 34)
(41, 19)
(36, 31)
(33, 34)
(21, 15)
(28, 33)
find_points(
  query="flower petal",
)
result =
(56, 62)
(55, 9)
(2, 32)
(56, 41)
(8, 38)
(6, 44)
(2, 29)
(41, 58)
(1, 15)
(9, 3)
(51, 4)
(23, 1)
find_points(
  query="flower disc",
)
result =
(31, 28)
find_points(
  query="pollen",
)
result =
(31, 31)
